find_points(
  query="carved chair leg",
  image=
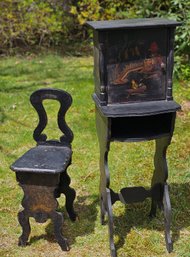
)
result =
(57, 219)
(69, 193)
(70, 197)
(23, 219)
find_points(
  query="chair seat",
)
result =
(44, 159)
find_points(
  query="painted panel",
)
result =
(136, 65)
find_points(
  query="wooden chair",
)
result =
(42, 171)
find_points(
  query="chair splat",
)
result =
(65, 101)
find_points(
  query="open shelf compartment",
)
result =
(140, 127)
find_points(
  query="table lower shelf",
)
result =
(137, 194)
(159, 194)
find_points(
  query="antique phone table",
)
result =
(133, 65)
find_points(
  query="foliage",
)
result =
(29, 23)
(57, 23)
(131, 164)
(178, 10)
(174, 9)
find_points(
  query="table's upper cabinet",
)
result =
(136, 65)
(133, 60)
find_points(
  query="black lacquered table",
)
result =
(133, 66)
(135, 125)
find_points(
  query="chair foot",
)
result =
(57, 219)
(23, 219)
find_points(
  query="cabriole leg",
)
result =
(69, 193)
(23, 219)
(167, 218)
(110, 224)
(57, 219)
(159, 177)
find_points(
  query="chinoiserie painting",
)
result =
(136, 65)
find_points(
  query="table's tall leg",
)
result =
(167, 218)
(159, 177)
(104, 183)
(105, 196)
(105, 199)
(110, 223)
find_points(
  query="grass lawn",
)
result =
(131, 164)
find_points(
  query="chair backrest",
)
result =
(65, 100)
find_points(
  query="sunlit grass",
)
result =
(131, 164)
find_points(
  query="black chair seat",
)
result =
(44, 159)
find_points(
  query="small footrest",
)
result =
(137, 194)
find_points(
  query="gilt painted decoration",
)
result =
(136, 66)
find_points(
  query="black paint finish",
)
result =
(133, 60)
(42, 171)
(132, 24)
(133, 65)
(65, 101)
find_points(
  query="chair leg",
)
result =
(23, 219)
(69, 193)
(57, 219)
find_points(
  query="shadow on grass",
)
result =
(180, 203)
(137, 215)
(18, 89)
(86, 209)
(2, 116)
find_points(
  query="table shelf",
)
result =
(140, 128)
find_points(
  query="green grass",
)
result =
(130, 164)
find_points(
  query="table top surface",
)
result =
(132, 23)
(137, 108)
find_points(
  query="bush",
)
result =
(31, 23)
(178, 10)
(28, 23)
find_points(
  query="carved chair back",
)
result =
(65, 101)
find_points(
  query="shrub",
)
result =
(178, 10)
(30, 23)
